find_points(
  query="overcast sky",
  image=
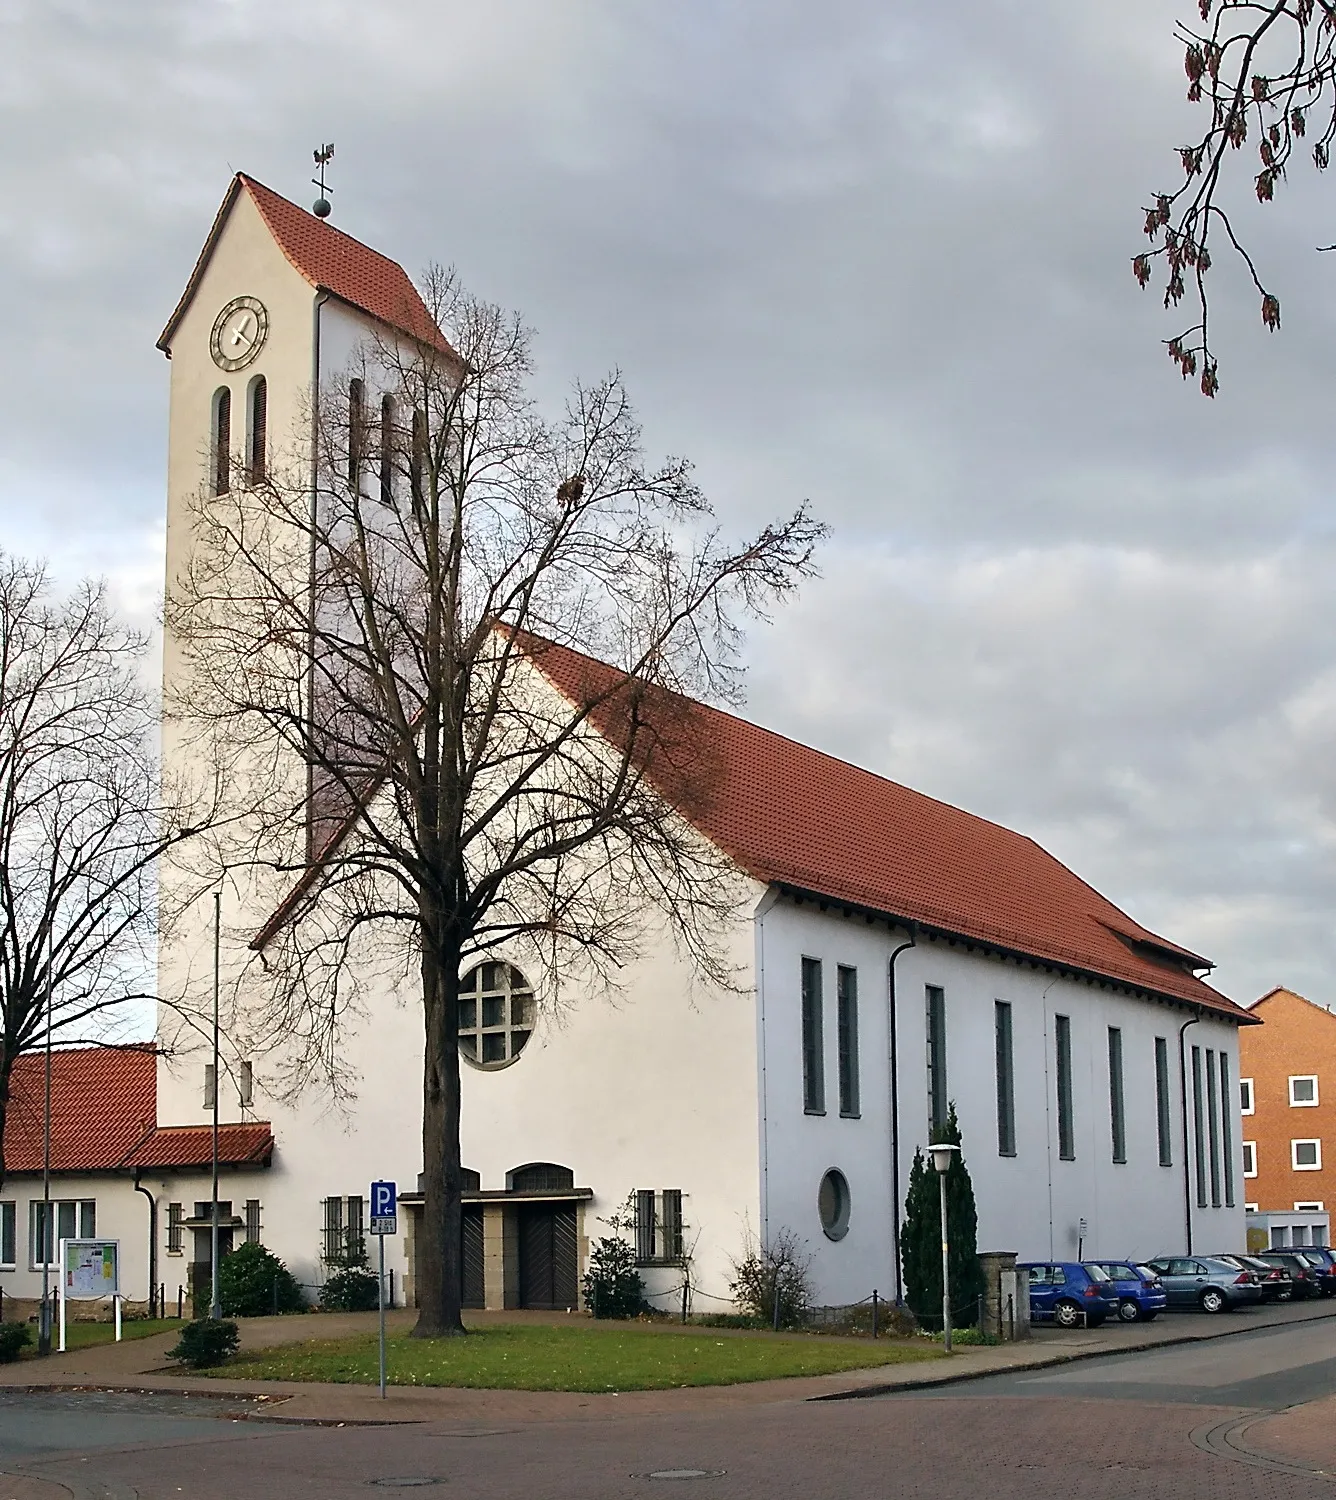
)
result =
(872, 254)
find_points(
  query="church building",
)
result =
(898, 956)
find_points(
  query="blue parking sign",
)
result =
(384, 1208)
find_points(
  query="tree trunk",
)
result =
(440, 1263)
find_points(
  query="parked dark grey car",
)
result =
(1206, 1281)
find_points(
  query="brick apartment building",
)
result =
(1287, 1084)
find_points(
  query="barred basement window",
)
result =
(658, 1226)
(345, 1230)
(252, 1221)
(175, 1228)
(496, 1015)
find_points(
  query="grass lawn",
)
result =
(541, 1358)
(84, 1335)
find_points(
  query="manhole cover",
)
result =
(685, 1473)
(406, 1481)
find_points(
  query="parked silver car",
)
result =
(1206, 1281)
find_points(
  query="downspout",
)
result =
(893, 1067)
(1187, 1153)
(152, 1241)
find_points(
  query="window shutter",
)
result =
(252, 1221)
(333, 1228)
(259, 430)
(222, 441)
(672, 1223)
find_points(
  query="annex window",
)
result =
(1226, 1128)
(1006, 1079)
(1062, 1031)
(245, 1085)
(1303, 1091)
(252, 1221)
(356, 432)
(1245, 1096)
(49, 1223)
(221, 441)
(8, 1234)
(814, 1051)
(658, 1226)
(1306, 1156)
(1213, 1125)
(1250, 1158)
(387, 450)
(1199, 1120)
(257, 431)
(175, 1228)
(496, 1015)
(1117, 1110)
(1163, 1126)
(938, 1105)
(846, 996)
(345, 1231)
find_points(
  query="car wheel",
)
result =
(1213, 1300)
(1067, 1315)
(1128, 1311)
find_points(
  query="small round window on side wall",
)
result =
(832, 1204)
(496, 1015)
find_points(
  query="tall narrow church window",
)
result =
(356, 431)
(418, 457)
(257, 441)
(387, 450)
(222, 440)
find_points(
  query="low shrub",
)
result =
(968, 1336)
(253, 1281)
(353, 1289)
(778, 1272)
(206, 1341)
(14, 1338)
(612, 1285)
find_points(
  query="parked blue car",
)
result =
(1141, 1294)
(1069, 1294)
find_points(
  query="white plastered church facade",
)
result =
(896, 955)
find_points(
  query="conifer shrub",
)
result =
(613, 1287)
(353, 1288)
(921, 1238)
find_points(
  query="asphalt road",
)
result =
(1124, 1427)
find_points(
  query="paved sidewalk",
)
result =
(1303, 1435)
(138, 1364)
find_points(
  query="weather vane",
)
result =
(320, 208)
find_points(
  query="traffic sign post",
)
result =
(384, 1220)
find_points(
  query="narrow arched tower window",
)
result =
(222, 440)
(418, 457)
(356, 431)
(387, 450)
(257, 437)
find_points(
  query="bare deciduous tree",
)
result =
(82, 820)
(363, 638)
(1266, 72)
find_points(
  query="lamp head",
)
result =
(943, 1154)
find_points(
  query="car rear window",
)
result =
(1118, 1271)
(1097, 1273)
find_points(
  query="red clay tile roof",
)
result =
(103, 1117)
(251, 1144)
(793, 816)
(330, 260)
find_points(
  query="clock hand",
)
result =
(241, 331)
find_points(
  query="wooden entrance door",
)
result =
(549, 1271)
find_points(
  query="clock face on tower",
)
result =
(239, 332)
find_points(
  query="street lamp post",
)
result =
(943, 1154)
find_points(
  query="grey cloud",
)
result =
(875, 255)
